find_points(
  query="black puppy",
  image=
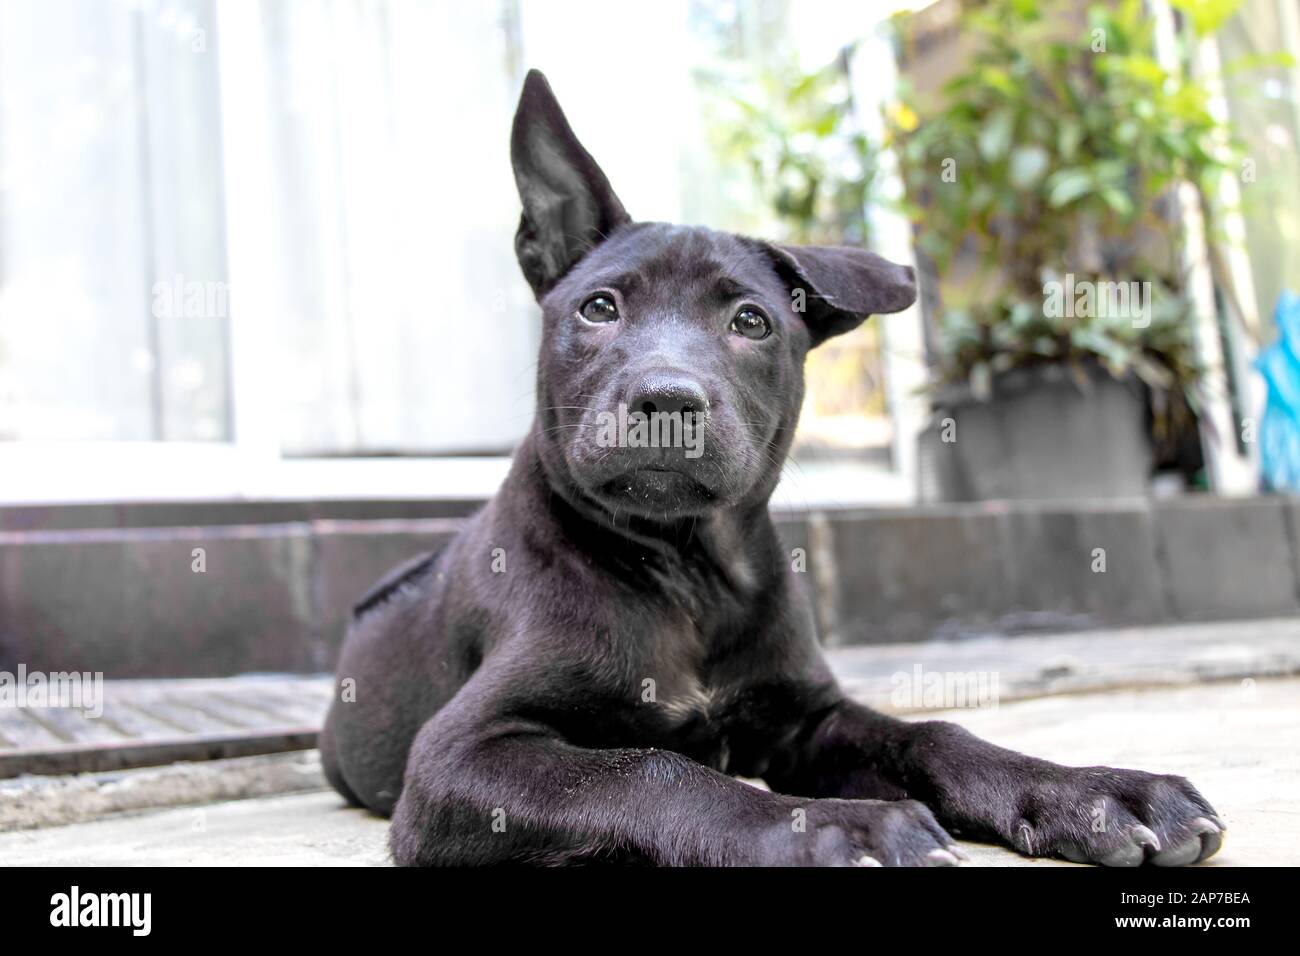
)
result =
(575, 677)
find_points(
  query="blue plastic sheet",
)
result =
(1279, 431)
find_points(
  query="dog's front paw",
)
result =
(860, 833)
(1116, 818)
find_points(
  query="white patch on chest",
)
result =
(697, 702)
(692, 700)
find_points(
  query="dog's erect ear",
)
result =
(841, 286)
(568, 204)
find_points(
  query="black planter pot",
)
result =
(1041, 435)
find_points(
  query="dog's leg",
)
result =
(1084, 814)
(329, 761)
(520, 794)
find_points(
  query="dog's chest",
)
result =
(682, 705)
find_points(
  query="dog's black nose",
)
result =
(669, 393)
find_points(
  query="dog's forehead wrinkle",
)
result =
(731, 286)
(664, 250)
(687, 287)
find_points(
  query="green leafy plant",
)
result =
(793, 128)
(794, 131)
(1055, 151)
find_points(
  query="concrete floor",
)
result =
(1238, 741)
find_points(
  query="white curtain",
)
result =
(361, 148)
(109, 183)
(391, 298)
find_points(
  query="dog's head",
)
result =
(671, 369)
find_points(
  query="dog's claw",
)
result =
(1025, 839)
(1212, 838)
(1145, 836)
(958, 852)
(1205, 840)
(1210, 844)
(867, 861)
(940, 857)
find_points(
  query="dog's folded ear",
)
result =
(569, 206)
(835, 288)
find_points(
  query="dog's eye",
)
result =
(751, 324)
(599, 308)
